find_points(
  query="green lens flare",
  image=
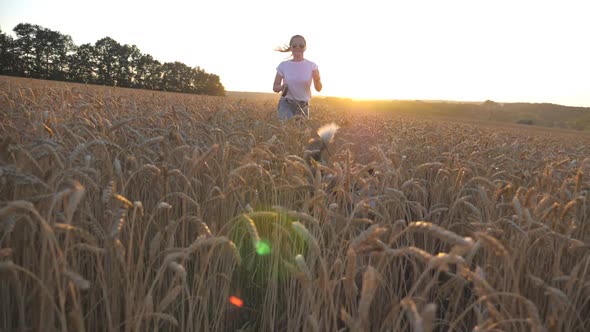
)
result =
(262, 248)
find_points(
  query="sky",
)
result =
(460, 50)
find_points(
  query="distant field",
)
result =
(534, 115)
(135, 210)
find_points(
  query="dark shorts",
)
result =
(289, 108)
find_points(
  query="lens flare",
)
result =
(236, 301)
(262, 248)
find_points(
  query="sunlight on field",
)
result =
(138, 210)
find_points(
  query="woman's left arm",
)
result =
(317, 82)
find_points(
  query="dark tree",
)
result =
(24, 49)
(126, 70)
(82, 65)
(38, 52)
(106, 52)
(42, 53)
(53, 50)
(176, 77)
(133, 55)
(204, 83)
(214, 86)
(7, 58)
(150, 73)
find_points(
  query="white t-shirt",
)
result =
(297, 76)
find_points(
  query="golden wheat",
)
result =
(134, 210)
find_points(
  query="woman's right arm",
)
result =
(278, 86)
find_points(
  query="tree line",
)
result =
(38, 52)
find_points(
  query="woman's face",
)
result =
(298, 46)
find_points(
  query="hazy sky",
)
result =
(473, 50)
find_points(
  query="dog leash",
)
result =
(308, 122)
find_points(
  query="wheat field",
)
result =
(130, 210)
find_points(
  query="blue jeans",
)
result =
(289, 108)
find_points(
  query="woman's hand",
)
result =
(317, 83)
(278, 86)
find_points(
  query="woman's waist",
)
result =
(291, 100)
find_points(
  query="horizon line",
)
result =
(424, 100)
